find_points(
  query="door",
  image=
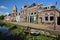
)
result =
(31, 19)
(58, 20)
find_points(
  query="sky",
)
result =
(6, 6)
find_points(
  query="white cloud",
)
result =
(3, 7)
(1, 13)
(4, 13)
(7, 13)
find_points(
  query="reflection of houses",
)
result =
(45, 14)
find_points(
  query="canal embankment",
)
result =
(42, 36)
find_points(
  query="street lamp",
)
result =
(55, 17)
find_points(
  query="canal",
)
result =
(13, 32)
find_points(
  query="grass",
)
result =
(31, 37)
(20, 29)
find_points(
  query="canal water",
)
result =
(6, 34)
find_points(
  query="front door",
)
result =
(31, 19)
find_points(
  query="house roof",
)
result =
(51, 9)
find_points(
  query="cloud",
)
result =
(4, 13)
(3, 7)
(1, 13)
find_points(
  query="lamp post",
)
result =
(55, 17)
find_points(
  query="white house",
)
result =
(17, 18)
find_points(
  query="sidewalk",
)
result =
(41, 26)
(52, 27)
(30, 24)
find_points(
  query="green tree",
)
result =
(37, 18)
(1, 17)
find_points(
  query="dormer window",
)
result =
(35, 10)
(40, 8)
(45, 7)
(53, 7)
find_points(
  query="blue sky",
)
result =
(7, 5)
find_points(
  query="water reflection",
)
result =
(6, 34)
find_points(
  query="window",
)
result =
(46, 17)
(35, 13)
(53, 7)
(31, 13)
(40, 8)
(45, 7)
(34, 10)
(51, 18)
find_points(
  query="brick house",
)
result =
(49, 15)
(46, 14)
(28, 13)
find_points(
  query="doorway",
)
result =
(58, 20)
(31, 19)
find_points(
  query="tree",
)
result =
(33, 4)
(25, 6)
(37, 18)
(1, 17)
